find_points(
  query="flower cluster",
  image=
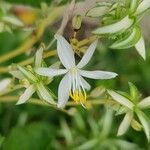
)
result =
(132, 106)
(72, 85)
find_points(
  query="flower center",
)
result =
(77, 92)
(73, 70)
(78, 96)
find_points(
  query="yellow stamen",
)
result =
(78, 96)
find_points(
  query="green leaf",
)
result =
(97, 11)
(36, 136)
(134, 92)
(128, 41)
(66, 132)
(117, 27)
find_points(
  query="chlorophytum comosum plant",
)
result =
(120, 25)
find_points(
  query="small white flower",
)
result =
(132, 108)
(4, 84)
(73, 84)
(33, 82)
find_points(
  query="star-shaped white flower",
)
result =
(131, 109)
(73, 84)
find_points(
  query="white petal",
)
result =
(17, 74)
(4, 84)
(121, 99)
(144, 123)
(87, 56)
(85, 84)
(38, 57)
(145, 103)
(144, 5)
(65, 52)
(26, 95)
(140, 47)
(98, 74)
(50, 72)
(125, 124)
(44, 93)
(64, 90)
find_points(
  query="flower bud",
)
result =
(76, 22)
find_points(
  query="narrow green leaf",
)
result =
(117, 27)
(134, 92)
(128, 41)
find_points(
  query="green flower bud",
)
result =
(76, 22)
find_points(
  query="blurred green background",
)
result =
(29, 127)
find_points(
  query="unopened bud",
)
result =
(76, 22)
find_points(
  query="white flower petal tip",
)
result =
(98, 74)
(4, 84)
(50, 72)
(65, 52)
(87, 56)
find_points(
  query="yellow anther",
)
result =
(78, 96)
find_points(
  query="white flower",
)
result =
(4, 84)
(132, 108)
(33, 82)
(73, 83)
